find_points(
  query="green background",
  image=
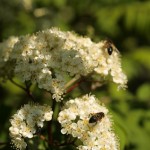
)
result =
(125, 22)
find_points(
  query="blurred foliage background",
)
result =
(125, 22)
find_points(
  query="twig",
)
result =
(67, 143)
(72, 81)
(3, 143)
(23, 88)
(74, 86)
(29, 92)
(43, 138)
(26, 89)
(50, 136)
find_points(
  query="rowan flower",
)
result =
(6, 48)
(52, 57)
(97, 135)
(25, 122)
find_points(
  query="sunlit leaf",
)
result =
(143, 92)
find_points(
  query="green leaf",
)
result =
(142, 55)
(120, 129)
(137, 133)
(143, 92)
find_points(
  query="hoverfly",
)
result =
(96, 117)
(110, 46)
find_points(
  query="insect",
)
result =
(96, 117)
(110, 47)
(110, 50)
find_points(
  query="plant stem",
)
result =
(18, 85)
(26, 89)
(76, 78)
(74, 86)
(72, 81)
(50, 135)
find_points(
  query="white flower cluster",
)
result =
(25, 122)
(6, 65)
(52, 57)
(74, 119)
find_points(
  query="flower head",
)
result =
(6, 64)
(52, 57)
(25, 122)
(75, 120)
